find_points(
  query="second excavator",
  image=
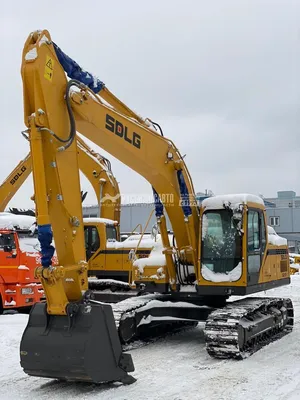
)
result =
(95, 167)
(107, 256)
(219, 249)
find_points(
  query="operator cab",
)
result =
(237, 255)
(93, 230)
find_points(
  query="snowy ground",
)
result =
(176, 368)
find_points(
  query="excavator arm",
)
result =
(69, 337)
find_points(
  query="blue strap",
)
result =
(74, 71)
(45, 237)
(184, 194)
(159, 208)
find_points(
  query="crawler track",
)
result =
(129, 314)
(126, 314)
(235, 331)
(245, 326)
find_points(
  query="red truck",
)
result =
(19, 256)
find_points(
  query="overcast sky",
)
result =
(222, 77)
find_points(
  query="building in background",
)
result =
(134, 216)
(283, 213)
(284, 216)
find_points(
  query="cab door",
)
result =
(92, 241)
(256, 244)
(95, 255)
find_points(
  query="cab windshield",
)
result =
(221, 240)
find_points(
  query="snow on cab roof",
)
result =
(100, 220)
(216, 202)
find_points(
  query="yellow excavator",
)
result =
(219, 249)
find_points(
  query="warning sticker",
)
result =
(48, 74)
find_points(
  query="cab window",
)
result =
(253, 231)
(92, 240)
(7, 241)
(111, 232)
(263, 232)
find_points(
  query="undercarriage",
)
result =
(233, 329)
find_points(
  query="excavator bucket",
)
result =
(84, 347)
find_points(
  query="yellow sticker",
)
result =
(48, 74)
